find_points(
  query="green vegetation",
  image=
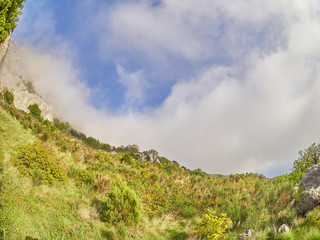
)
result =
(57, 184)
(35, 110)
(8, 97)
(9, 15)
(122, 204)
(35, 161)
(212, 226)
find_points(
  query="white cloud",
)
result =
(253, 115)
(135, 86)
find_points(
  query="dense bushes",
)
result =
(122, 204)
(35, 161)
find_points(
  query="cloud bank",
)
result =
(251, 105)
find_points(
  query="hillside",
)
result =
(55, 186)
(58, 183)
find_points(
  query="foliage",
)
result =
(92, 142)
(62, 126)
(8, 97)
(103, 157)
(122, 204)
(10, 10)
(127, 159)
(35, 161)
(308, 157)
(212, 226)
(35, 110)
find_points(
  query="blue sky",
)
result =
(230, 81)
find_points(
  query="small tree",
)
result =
(212, 226)
(122, 204)
(35, 110)
(8, 97)
(308, 158)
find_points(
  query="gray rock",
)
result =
(310, 183)
(284, 228)
(246, 235)
(14, 78)
(150, 156)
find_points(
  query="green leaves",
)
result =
(212, 226)
(122, 204)
(9, 15)
(35, 161)
(35, 110)
(308, 158)
(8, 97)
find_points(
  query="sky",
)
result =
(226, 86)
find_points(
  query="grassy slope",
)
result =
(173, 199)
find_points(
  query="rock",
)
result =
(308, 201)
(310, 183)
(245, 235)
(150, 156)
(284, 228)
(14, 78)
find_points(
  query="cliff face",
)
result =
(12, 77)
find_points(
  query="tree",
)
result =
(9, 16)
(92, 142)
(35, 110)
(62, 126)
(308, 158)
(8, 97)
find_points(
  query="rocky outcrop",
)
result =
(246, 235)
(310, 183)
(12, 77)
(150, 156)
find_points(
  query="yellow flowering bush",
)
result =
(212, 226)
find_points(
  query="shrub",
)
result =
(212, 226)
(35, 161)
(8, 97)
(92, 142)
(62, 126)
(35, 110)
(127, 159)
(103, 157)
(122, 204)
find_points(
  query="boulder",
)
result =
(311, 184)
(284, 228)
(246, 235)
(150, 156)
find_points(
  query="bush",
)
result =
(212, 226)
(35, 161)
(35, 110)
(127, 159)
(62, 126)
(103, 157)
(8, 97)
(122, 204)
